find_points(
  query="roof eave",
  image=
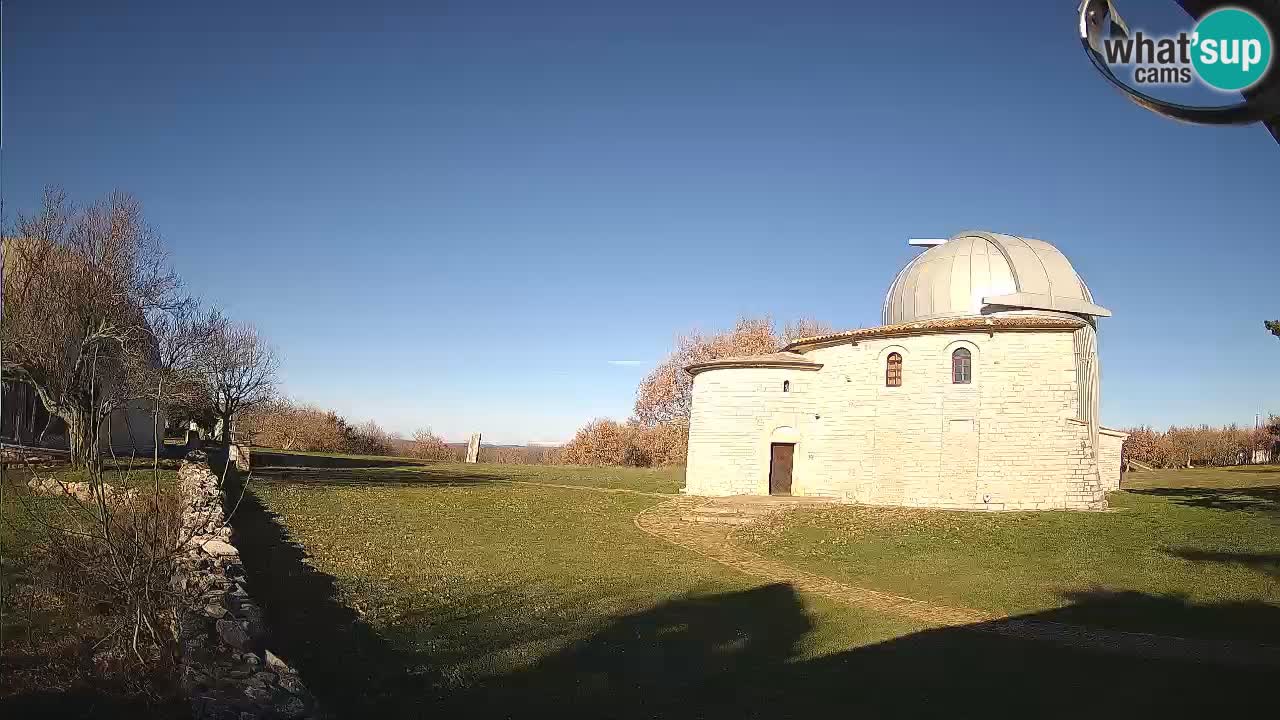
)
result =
(1034, 301)
(697, 368)
(963, 324)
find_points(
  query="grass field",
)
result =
(1187, 539)
(332, 469)
(405, 589)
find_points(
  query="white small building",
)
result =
(979, 391)
(131, 430)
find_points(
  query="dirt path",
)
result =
(666, 521)
(712, 541)
(625, 491)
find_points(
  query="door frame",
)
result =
(791, 480)
(785, 433)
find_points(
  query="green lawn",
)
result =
(1198, 538)
(336, 468)
(408, 590)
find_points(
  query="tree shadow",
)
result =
(739, 654)
(88, 703)
(345, 663)
(372, 476)
(261, 459)
(1263, 499)
(1251, 621)
(282, 466)
(742, 655)
(1268, 563)
(1254, 469)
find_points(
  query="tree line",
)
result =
(96, 320)
(1203, 446)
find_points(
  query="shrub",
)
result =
(429, 446)
(608, 442)
(599, 442)
(94, 590)
(288, 425)
(368, 438)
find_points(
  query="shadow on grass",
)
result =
(278, 466)
(739, 654)
(351, 668)
(87, 704)
(732, 655)
(1268, 563)
(283, 459)
(373, 476)
(1247, 622)
(1263, 499)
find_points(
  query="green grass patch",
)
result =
(485, 580)
(445, 591)
(337, 468)
(1203, 538)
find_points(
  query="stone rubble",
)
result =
(81, 491)
(226, 668)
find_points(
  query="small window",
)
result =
(786, 386)
(893, 371)
(961, 366)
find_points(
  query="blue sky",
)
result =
(457, 214)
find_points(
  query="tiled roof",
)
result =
(772, 360)
(1006, 323)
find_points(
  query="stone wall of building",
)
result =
(1110, 457)
(1005, 441)
(226, 668)
(734, 417)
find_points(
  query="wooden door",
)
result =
(781, 456)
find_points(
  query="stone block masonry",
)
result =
(227, 670)
(1010, 439)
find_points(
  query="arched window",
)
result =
(961, 366)
(893, 371)
(786, 386)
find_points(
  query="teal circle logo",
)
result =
(1232, 49)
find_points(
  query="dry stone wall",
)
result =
(226, 667)
(1008, 440)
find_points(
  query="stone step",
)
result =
(713, 510)
(757, 510)
(717, 519)
(776, 499)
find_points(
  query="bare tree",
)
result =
(80, 286)
(666, 394)
(238, 367)
(429, 446)
(290, 425)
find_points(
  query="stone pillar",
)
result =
(239, 454)
(473, 448)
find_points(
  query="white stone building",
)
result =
(979, 391)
